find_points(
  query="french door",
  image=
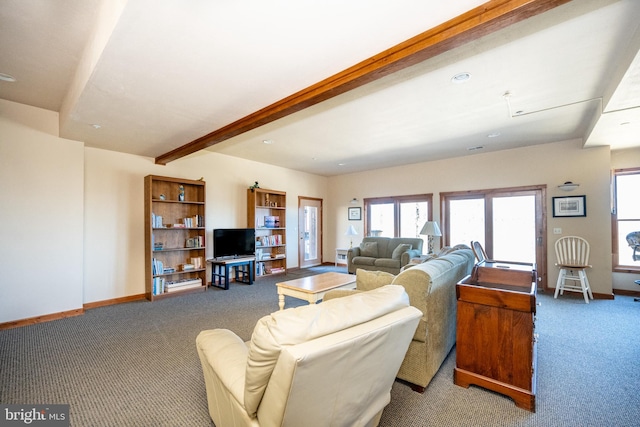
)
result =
(509, 223)
(310, 232)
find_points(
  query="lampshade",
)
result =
(351, 231)
(431, 229)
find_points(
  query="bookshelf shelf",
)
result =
(182, 203)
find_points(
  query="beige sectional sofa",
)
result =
(431, 287)
(388, 254)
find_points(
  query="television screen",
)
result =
(234, 242)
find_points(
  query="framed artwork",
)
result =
(355, 214)
(570, 206)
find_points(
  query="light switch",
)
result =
(557, 230)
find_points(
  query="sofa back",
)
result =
(422, 279)
(323, 345)
(386, 245)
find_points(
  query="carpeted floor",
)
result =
(135, 364)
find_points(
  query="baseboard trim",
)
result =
(114, 301)
(626, 293)
(70, 313)
(41, 319)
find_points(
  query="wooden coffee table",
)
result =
(313, 288)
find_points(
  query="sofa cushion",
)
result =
(363, 260)
(367, 280)
(387, 263)
(369, 249)
(399, 250)
(305, 323)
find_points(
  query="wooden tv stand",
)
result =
(495, 344)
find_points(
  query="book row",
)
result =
(161, 285)
(273, 240)
(196, 221)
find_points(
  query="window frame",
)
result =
(397, 201)
(615, 258)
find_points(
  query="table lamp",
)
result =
(431, 229)
(351, 232)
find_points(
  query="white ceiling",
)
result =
(156, 75)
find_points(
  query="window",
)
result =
(626, 218)
(401, 216)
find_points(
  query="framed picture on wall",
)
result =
(570, 206)
(355, 214)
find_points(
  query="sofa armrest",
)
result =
(353, 252)
(406, 256)
(224, 358)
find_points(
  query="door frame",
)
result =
(540, 195)
(320, 231)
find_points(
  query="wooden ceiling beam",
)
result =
(472, 25)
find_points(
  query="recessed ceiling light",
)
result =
(493, 135)
(96, 126)
(340, 164)
(7, 78)
(267, 141)
(461, 77)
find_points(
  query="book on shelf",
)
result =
(157, 266)
(180, 285)
(194, 242)
(156, 221)
(158, 285)
(195, 221)
(196, 261)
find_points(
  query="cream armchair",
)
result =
(318, 365)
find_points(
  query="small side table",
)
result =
(341, 256)
(220, 271)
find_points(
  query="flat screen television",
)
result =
(234, 242)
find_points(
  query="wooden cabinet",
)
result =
(495, 343)
(266, 212)
(174, 210)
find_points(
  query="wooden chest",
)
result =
(495, 344)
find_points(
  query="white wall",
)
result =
(114, 210)
(549, 164)
(41, 218)
(72, 218)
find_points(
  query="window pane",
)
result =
(413, 215)
(466, 221)
(625, 250)
(514, 228)
(628, 202)
(382, 220)
(310, 232)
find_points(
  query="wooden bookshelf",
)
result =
(175, 239)
(267, 212)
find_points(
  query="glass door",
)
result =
(310, 232)
(509, 223)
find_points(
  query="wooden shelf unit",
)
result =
(271, 237)
(181, 233)
(495, 340)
